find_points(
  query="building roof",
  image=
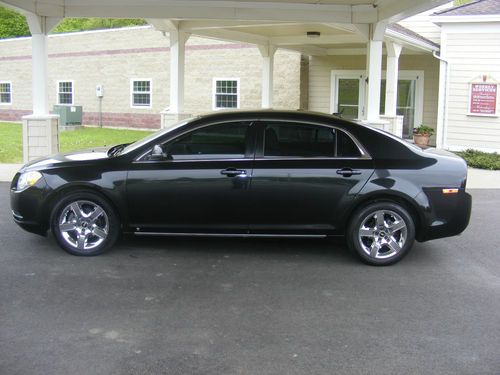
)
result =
(397, 28)
(475, 8)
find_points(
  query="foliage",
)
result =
(424, 130)
(11, 150)
(460, 2)
(80, 24)
(479, 159)
(12, 24)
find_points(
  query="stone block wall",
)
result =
(113, 58)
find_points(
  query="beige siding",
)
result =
(471, 53)
(320, 69)
(430, 66)
(423, 25)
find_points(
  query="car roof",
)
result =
(273, 113)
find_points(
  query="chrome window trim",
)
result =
(361, 149)
(137, 159)
(364, 154)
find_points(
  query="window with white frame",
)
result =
(65, 92)
(226, 93)
(5, 92)
(141, 93)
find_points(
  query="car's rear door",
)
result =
(200, 187)
(304, 178)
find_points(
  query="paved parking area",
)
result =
(232, 306)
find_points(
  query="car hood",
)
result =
(73, 156)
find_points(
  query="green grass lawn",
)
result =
(11, 149)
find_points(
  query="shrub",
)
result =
(479, 159)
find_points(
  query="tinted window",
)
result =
(212, 142)
(283, 139)
(346, 148)
(301, 140)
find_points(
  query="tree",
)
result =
(13, 24)
(81, 24)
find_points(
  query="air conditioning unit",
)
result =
(70, 115)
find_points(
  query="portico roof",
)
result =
(343, 11)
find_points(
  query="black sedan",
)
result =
(250, 174)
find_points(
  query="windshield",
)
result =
(158, 134)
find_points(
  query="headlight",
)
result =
(28, 179)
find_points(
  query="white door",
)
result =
(348, 94)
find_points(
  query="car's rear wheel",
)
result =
(381, 233)
(84, 224)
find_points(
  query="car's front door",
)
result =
(304, 178)
(198, 184)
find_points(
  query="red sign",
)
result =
(483, 98)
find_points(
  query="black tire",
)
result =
(381, 243)
(100, 233)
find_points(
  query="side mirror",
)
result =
(157, 154)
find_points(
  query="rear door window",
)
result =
(283, 139)
(298, 140)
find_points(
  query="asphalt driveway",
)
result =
(232, 306)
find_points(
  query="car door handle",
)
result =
(233, 172)
(348, 172)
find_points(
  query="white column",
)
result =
(374, 71)
(40, 130)
(267, 53)
(178, 40)
(391, 85)
(39, 28)
(40, 79)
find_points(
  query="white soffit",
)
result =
(341, 11)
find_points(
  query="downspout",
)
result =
(442, 127)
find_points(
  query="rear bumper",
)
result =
(445, 215)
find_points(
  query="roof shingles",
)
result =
(475, 8)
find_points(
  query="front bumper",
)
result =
(28, 207)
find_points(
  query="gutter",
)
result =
(411, 41)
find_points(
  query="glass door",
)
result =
(405, 105)
(349, 96)
(349, 89)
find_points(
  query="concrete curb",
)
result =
(477, 178)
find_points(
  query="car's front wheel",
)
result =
(84, 224)
(381, 233)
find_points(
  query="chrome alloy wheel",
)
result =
(382, 234)
(84, 225)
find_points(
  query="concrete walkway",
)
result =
(477, 178)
